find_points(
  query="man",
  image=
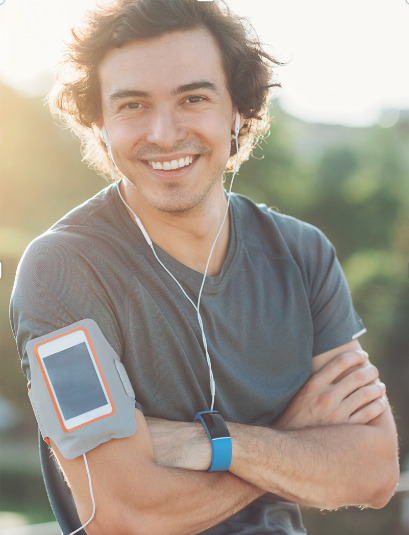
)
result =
(158, 85)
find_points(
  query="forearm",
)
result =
(134, 495)
(189, 502)
(326, 467)
(181, 502)
(334, 445)
(191, 499)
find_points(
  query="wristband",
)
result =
(220, 439)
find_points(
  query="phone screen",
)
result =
(75, 381)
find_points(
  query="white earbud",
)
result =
(237, 125)
(105, 136)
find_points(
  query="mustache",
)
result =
(149, 151)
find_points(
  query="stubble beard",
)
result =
(174, 198)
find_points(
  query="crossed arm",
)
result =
(334, 445)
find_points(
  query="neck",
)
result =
(189, 235)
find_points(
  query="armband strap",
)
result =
(220, 439)
(80, 391)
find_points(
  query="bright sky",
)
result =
(347, 59)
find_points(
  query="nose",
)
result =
(165, 128)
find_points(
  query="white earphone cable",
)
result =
(149, 241)
(92, 498)
(199, 317)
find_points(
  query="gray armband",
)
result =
(80, 392)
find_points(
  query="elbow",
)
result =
(373, 493)
(385, 487)
(385, 472)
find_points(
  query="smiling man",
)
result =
(234, 323)
(169, 125)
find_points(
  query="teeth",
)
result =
(174, 164)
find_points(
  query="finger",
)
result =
(340, 365)
(358, 378)
(337, 407)
(369, 412)
(360, 398)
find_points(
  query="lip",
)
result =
(173, 173)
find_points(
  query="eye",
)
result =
(131, 105)
(195, 99)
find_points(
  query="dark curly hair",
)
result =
(76, 96)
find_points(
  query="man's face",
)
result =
(168, 114)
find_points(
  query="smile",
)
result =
(172, 164)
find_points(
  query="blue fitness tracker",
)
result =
(220, 439)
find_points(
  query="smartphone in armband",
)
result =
(80, 391)
(74, 379)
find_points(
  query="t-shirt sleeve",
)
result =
(334, 318)
(55, 287)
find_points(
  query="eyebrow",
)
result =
(202, 84)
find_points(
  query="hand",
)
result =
(343, 389)
(180, 444)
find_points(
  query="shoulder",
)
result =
(62, 268)
(284, 232)
(84, 232)
(265, 232)
(92, 216)
(64, 275)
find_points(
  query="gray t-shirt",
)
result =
(280, 299)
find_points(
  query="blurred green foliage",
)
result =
(353, 183)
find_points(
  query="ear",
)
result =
(104, 136)
(99, 125)
(237, 124)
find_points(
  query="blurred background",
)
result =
(337, 157)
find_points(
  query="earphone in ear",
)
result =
(237, 125)
(105, 136)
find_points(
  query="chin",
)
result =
(178, 206)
